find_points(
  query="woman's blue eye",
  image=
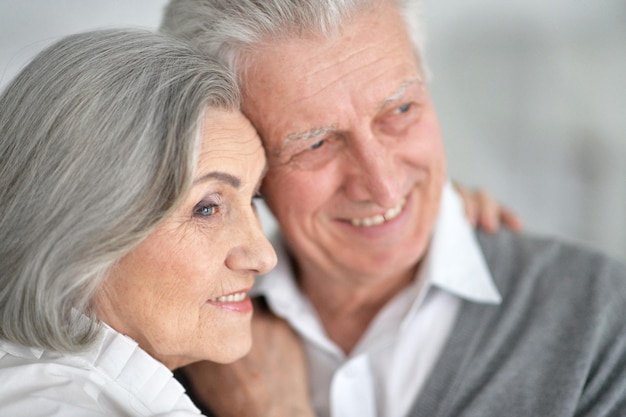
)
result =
(317, 145)
(205, 210)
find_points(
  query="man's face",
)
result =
(356, 162)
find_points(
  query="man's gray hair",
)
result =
(99, 137)
(228, 29)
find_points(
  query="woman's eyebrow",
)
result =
(220, 176)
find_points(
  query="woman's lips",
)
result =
(238, 301)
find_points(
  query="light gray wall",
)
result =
(27, 26)
(531, 96)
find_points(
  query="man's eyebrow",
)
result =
(220, 176)
(296, 137)
(400, 91)
(308, 134)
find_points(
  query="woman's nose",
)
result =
(253, 252)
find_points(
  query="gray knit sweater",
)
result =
(556, 346)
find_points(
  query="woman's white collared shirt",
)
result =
(114, 378)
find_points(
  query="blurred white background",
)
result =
(531, 95)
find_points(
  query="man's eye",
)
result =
(317, 145)
(317, 152)
(205, 209)
(403, 108)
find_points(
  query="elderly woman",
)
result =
(129, 238)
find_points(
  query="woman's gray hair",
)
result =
(99, 137)
(227, 29)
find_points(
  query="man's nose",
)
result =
(375, 174)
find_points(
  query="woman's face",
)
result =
(181, 294)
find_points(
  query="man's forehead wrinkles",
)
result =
(324, 64)
(337, 71)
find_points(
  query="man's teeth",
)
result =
(232, 298)
(390, 214)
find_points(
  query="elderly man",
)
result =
(401, 307)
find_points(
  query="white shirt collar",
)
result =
(115, 371)
(455, 262)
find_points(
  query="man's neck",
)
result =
(346, 306)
